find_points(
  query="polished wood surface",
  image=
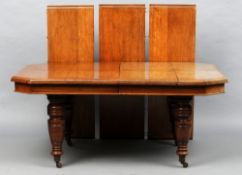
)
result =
(70, 34)
(198, 74)
(191, 79)
(122, 33)
(122, 73)
(172, 33)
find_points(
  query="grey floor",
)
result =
(24, 147)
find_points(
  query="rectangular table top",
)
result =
(122, 73)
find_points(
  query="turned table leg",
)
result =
(68, 119)
(56, 125)
(181, 110)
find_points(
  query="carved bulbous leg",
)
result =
(68, 119)
(181, 109)
(56, 125)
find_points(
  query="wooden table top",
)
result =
(124, 73)
(139, 73)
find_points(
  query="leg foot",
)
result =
(58, 165)
(182, 160)
(56, 125)
(57, 161)
(181, 109)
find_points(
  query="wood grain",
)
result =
(70, 34)
(198, 74)
(122, 32)
(122, 73)
(127, 78)
(172, 33)
(147, 73)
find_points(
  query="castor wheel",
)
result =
(57, 161)
(58, 164)
(184, 164)
(183, 161)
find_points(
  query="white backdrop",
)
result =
(24, 142)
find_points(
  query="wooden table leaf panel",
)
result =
(170, 78)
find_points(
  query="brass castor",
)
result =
(58, 164)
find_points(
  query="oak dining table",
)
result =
(167, 75)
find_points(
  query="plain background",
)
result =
(24, 142)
